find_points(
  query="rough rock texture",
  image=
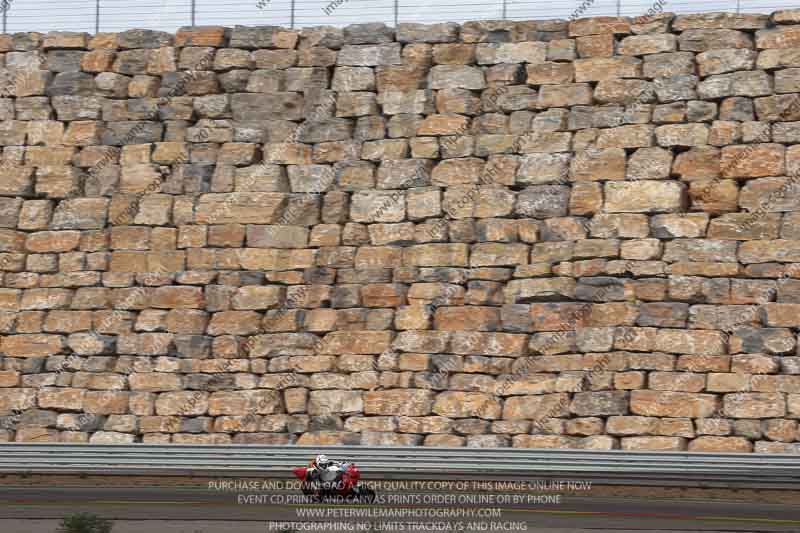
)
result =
(536, 234)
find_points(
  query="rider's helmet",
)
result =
(322, 462)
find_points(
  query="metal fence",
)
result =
(168, 15)
(735, 470)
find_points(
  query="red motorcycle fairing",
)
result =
(346, 486)
(350, 477)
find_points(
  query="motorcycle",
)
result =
(337, 482)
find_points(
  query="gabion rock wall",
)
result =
(572, 234)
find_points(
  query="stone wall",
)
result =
(576, 234)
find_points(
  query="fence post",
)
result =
(619, 7)
(194, 9)
(505, 10)
(292, 15)
(396, 11)
(97, 17)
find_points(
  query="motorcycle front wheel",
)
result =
(365, 494)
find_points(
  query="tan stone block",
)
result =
(522, 52)
(793, 404)
(753, 160)
(564, 95)
(235, 323)
(754, 405)
(745, 226)
(497, 254)
(549, 73)
(630, 92)
(641, 249)
(637, 45)
(602, 68)
(608, 226)
(585, 426)
(599, 25)
(536, 407)
(676, 427)
(184, 403)
(356, 342)
(413, 317)
(154, 381)
(159, 424)
(186, 321)
(36, 434)
(754, 364)
(425, 424)
(545, 441)
(10, 299)
(601, 45)
(702, 162)
(328, 402)
(721, 444)
(690, 342)
(600, 403)
(328, 438)
(782, 383)
(714, 196)
(785, 315)
(458, 171)
(469, 318)
(381, 234)
(458, 404)
(245, 208)
(68, 321)
(644, 197)
(9, 378)
(312, 364)
(661, 444)
(490, 344)
(106, 402)
(52, 241)
(257, 297)
(721, 382)
(779, 250)
(276, 259)
(33, 345)
(436, 255)
(383, 295)
(18, 399)
(673, 404)
(100, 60)
(201, 36)
(61, 398)
(257, 402)
(398, 402)
(781, 37)
(378, 257)
(677, 381)
(631, 425)
(629, 380)
(554, 316)
(443, 125)
(598, 164)
(781, 430)
(177, 298)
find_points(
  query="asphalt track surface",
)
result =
(200, 510)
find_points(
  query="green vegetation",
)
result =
(85, 523)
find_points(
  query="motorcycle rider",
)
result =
(324, 477)
(323, 469)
